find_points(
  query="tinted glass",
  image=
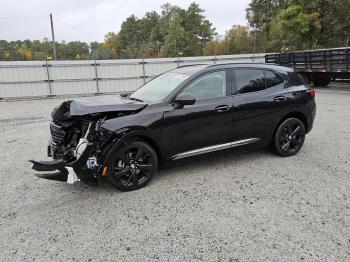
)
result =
(272, 79)
(160, 87)
(295, 79)
(208, 86)
(249, 80)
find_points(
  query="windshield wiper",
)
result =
(136, 99)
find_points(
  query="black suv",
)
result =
(188, 111)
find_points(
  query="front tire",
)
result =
(289, 137)
(133, 166)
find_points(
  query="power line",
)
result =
(55, 18)
(21, 17)
(74, 28)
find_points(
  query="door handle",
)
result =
(279, 98)
(222, 108)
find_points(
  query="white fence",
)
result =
(22, 79)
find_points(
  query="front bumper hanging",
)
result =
(70, 172)
(47, 166)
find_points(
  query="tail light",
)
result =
(311, 92)
(104, 171)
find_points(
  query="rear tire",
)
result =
(133, 166)
(289, 137)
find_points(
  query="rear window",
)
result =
(295, 79)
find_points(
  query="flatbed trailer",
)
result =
(318, 66)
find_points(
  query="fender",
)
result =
(293, 113)
(126, 134)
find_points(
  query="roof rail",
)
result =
(245, 63)
(192, 65)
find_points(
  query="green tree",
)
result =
(112, 44)
(172, 31)
(298, 28)
(75, 50)
(238, 40)
(297, 24)
(260, 14)
(174, 39)
(130, 37)
(4, 47)
(335, 22)
(198, 30)
(25, 52)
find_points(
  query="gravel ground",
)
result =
(242, 205)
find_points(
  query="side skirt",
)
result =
(215, 148)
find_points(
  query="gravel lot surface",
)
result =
(241, 205)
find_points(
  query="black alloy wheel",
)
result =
(133, 166)
(289, 137)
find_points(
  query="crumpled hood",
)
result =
(92, 105)
(99, 104)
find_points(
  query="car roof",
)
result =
(191, 69)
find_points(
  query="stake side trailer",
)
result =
(318, 66)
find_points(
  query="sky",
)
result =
(90, 20)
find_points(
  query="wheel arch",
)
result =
(151, 141)
(128, 135)
(295, 114)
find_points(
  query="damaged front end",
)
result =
(75, 147)
(78, 142)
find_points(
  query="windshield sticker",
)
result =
(182, 77)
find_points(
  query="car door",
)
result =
(260, 101)
(206, 123)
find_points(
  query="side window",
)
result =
(208, 86)
(272, 79)
(249, 80)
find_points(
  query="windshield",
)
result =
(159, 88)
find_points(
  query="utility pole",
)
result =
(53, 38)
(158, 45)
(254, 47)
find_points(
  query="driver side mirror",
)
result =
(184, 99)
